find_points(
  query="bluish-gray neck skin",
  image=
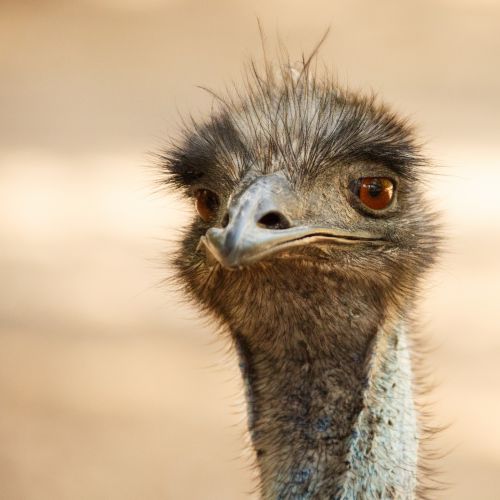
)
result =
(326, 428)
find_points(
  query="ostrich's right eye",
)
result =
(207, 204)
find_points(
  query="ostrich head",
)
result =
(310, 237)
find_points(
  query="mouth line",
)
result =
(318, 238)
(336, 237)
(314, 238)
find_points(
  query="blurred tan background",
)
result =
(110, 387)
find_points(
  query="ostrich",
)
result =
(309, 245)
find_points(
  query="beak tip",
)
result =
(221, 245)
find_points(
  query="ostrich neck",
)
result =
(330, 426)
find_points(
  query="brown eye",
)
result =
(207, 204)
(374, 192)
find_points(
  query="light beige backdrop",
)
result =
(110, 388)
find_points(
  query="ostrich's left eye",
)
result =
(374, 192)
(207, 204)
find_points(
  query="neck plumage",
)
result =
(333, 426)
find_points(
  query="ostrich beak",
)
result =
(260, 225)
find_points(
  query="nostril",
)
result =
(225, 220)
(274, 220)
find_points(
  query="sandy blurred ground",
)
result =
(110, 387)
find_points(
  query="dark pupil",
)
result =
(210, 201)
(374, 190)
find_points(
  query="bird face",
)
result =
(298, 182)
